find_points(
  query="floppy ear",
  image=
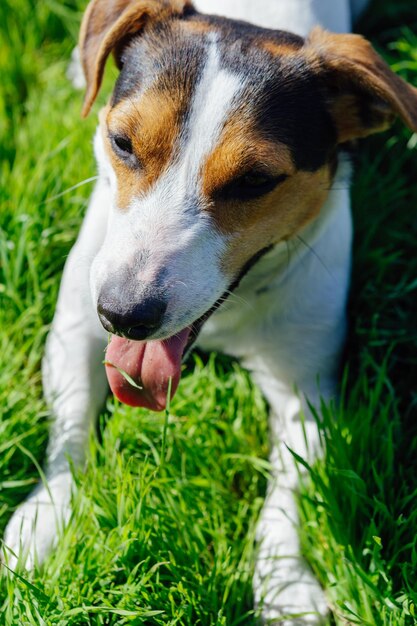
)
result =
(105, 27)
(365, 94)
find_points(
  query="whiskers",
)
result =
(231, 297)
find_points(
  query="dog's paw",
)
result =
(34, 527)
(289, 595)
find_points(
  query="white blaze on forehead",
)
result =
(212, 104)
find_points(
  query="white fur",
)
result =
(75, 71)
(297, 16)
(282, 334)
(210, 108)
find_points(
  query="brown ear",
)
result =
(366, 95)
(106, 23)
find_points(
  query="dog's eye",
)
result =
(122, 146)
(261, 182)
(250, 186)
(255, 180)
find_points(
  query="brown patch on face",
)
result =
(195, 26)
(240, 150)
(279, 48)
(277, 216)
(153, 124)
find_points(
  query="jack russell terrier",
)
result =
(221, 145)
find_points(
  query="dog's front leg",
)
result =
(74, 385)
(284, 585)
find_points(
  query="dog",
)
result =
(222, 145)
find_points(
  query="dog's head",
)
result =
(220, 140)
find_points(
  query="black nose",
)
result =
(134, 322)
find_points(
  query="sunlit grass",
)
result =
(164, 516)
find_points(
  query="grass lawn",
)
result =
(164, 518)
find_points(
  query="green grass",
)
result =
(163, 524)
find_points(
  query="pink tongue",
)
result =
(150, 364)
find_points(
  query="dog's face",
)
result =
(220, 140)
(216, 147)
